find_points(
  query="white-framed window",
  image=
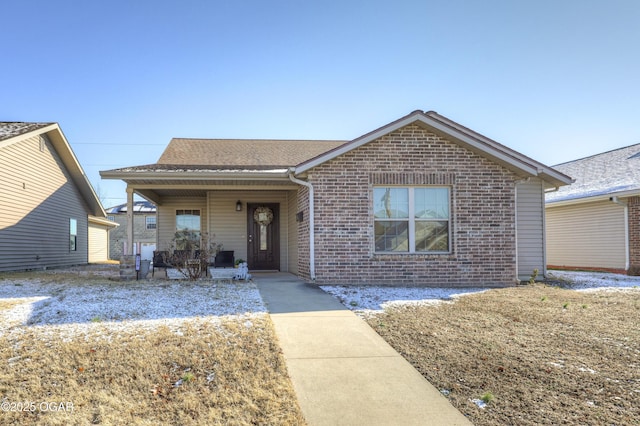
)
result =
(187, 227)
(412, 219)
(150, 221)
(73, 235)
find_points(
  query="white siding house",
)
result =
(594, 224)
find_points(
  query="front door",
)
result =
(263, 229)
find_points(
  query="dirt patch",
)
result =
(546, 355)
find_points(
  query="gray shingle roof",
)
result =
(608, 173)
(10, 129)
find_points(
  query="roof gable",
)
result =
(465, 137)
(609, 173)
(14, 132)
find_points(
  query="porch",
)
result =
(259, 225)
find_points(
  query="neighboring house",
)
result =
(419, 201)
(595, 223)
(50, 215)
(144, 226)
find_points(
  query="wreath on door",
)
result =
(263, 216)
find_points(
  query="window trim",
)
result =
(411, 219)
(146, 223)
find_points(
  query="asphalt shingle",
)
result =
(602, 174)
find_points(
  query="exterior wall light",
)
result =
(239, 206)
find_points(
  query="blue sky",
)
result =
(554, 79)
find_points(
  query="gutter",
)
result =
(312, 254)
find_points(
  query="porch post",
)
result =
(129, 221)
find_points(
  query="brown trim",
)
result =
(588, 269)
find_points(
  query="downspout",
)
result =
(615, 200)
(312, 252)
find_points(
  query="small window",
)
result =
(411, 220)
(151, 222)
(111, 218)
(187, 225)
(73, 235)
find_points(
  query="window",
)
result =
(187, 228)
(73, 235)
(111, 218)
(411, 220)
(150, 221)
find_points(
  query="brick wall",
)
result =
(482, 214)
(634, 235)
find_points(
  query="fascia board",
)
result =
(356, 143)
(584, 200)
(64, 150)
(102, 221)
(195, 175)
(27, 135)
(430, 122)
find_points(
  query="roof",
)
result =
(255, 153)
(138, 207)
(10, 129)
(269, 158)
(611, 173)
(13, 132)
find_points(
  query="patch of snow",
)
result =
(377, 298)
(592, 281)
(480, 403)
(371, 299)
(68, 309)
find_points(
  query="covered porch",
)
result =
(255, 221)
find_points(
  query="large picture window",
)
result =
(411, 220)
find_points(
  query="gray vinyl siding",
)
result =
(230, 226)
(98, 243)
(166, 217)
(530, 228)
(220, 219)
(37, 199)
(586, 235)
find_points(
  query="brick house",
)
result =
(594, 224)
(419, 201)
(144, 228)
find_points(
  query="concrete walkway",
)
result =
(343, 372)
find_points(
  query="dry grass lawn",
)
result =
(546, 355)
(204, 370)
(232, 374)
